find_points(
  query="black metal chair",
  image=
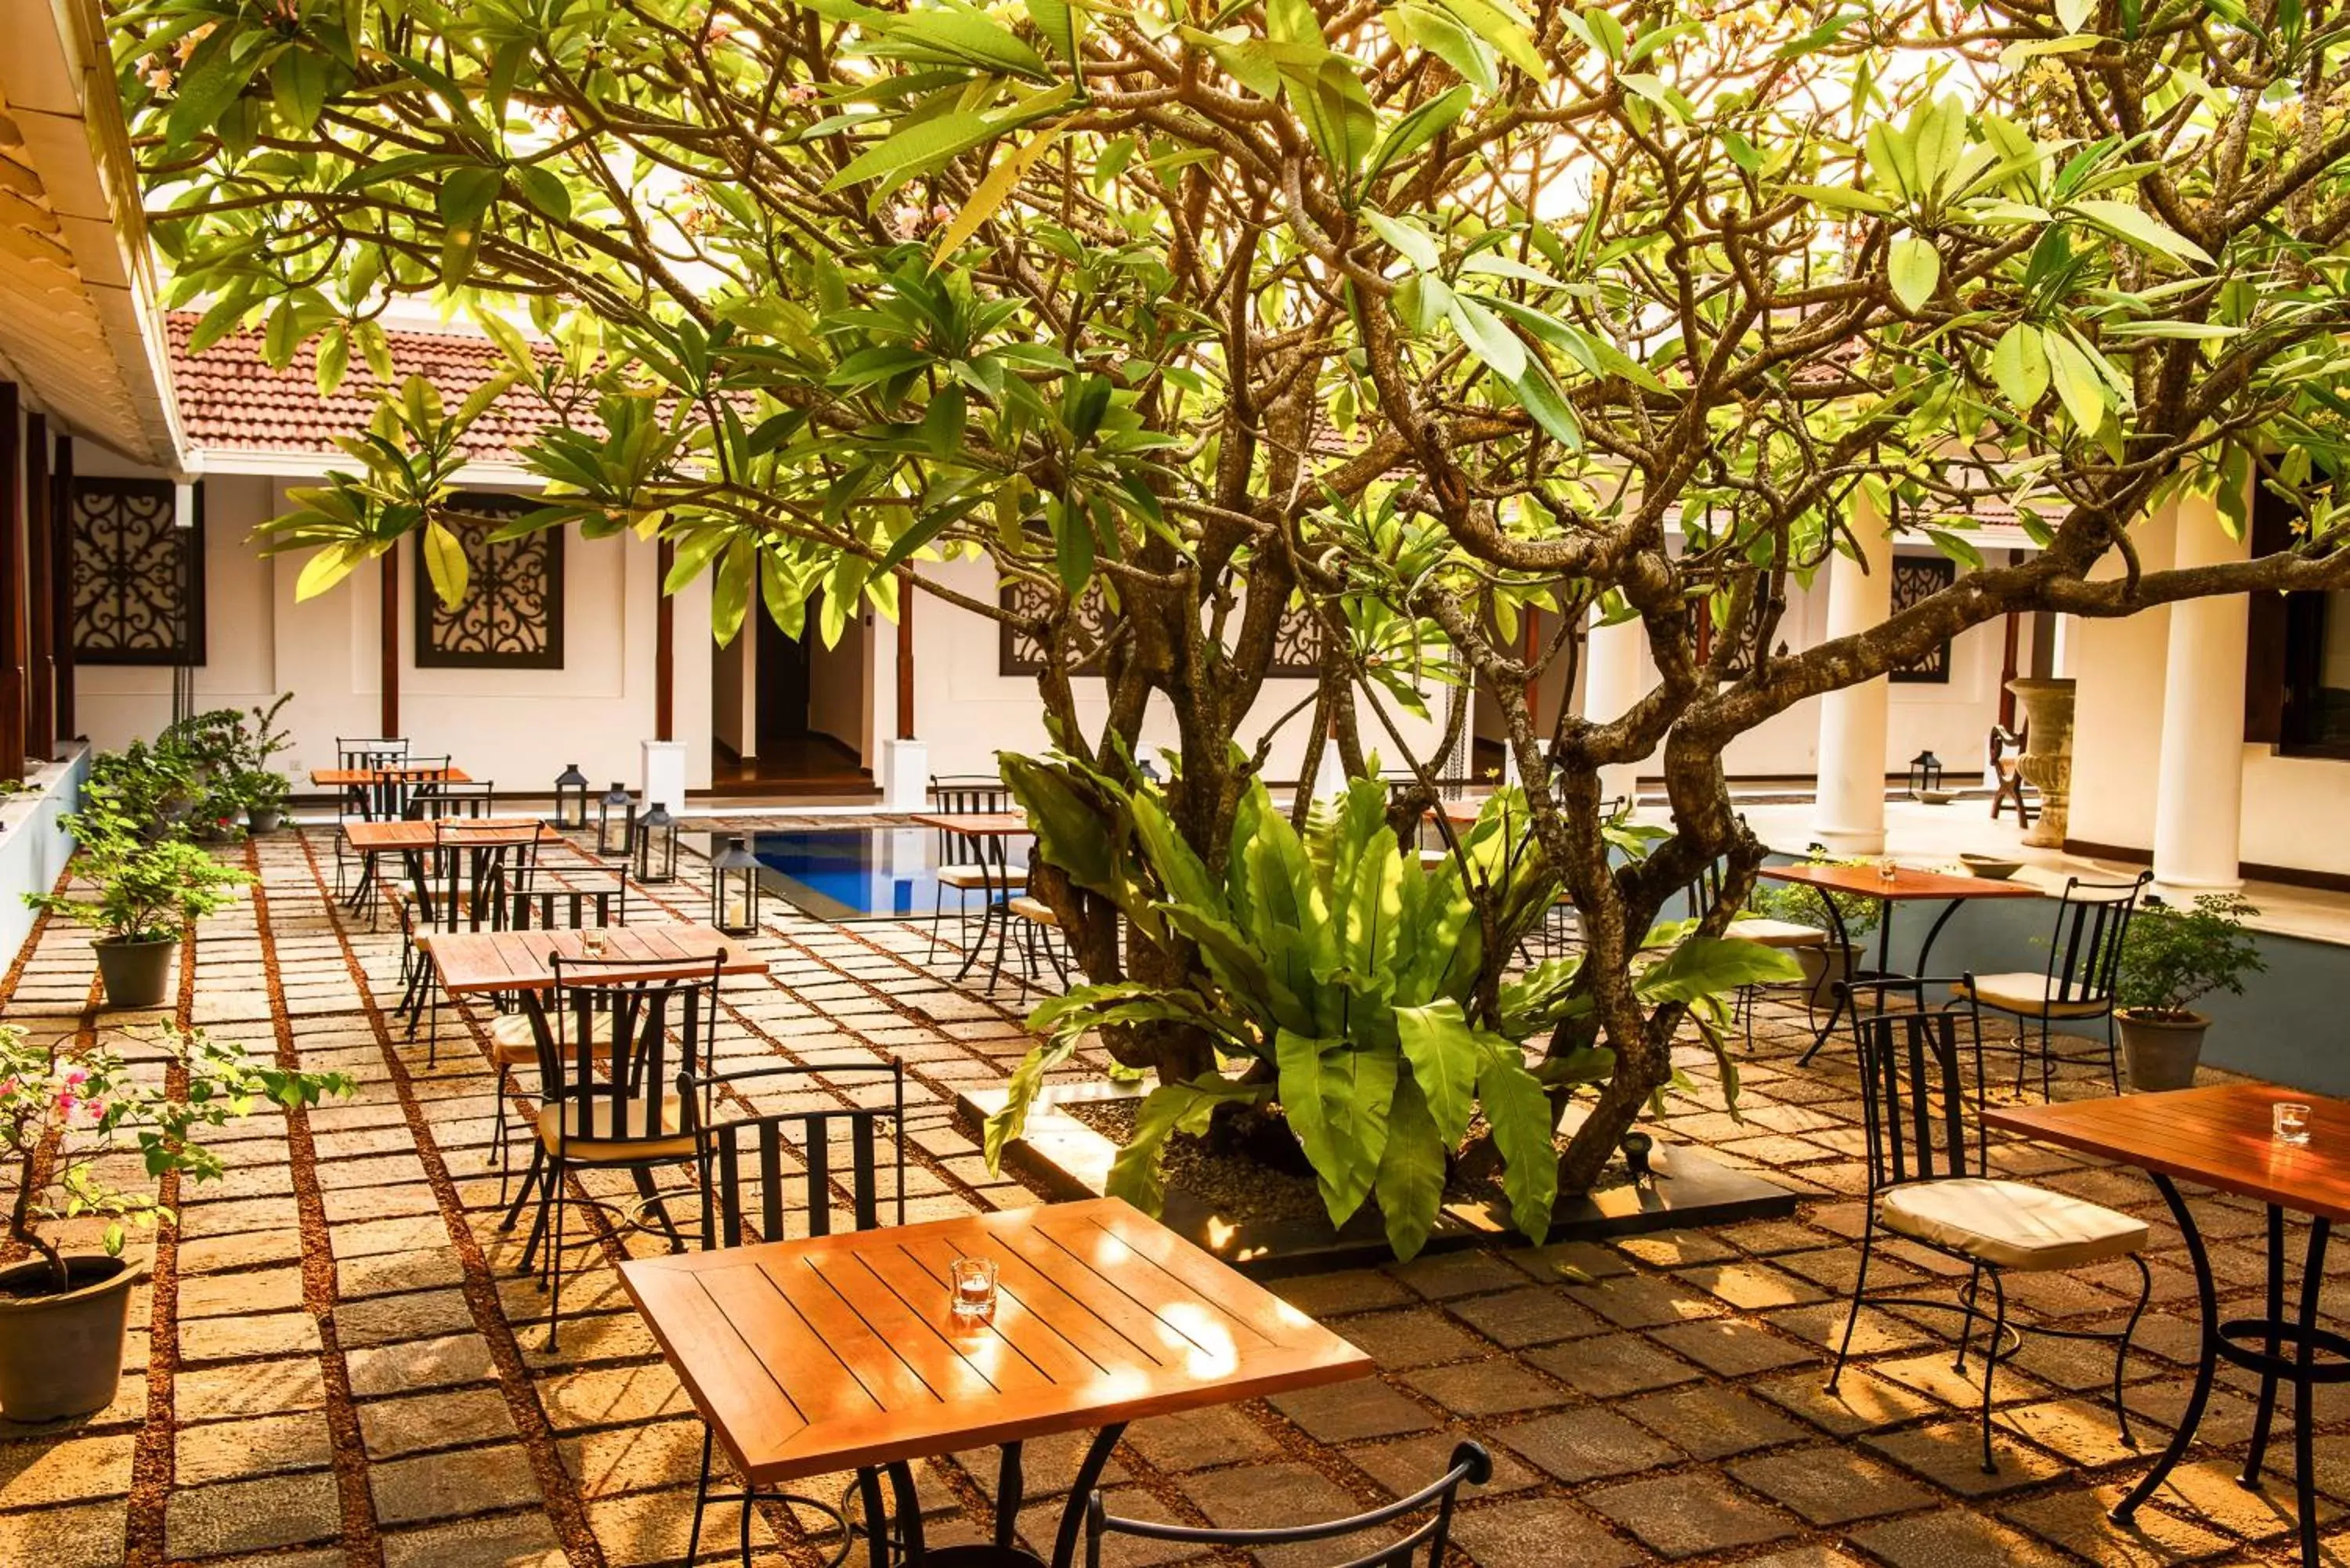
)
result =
(962, 869)
(467, 881)
(1928, 1183)
(748, 1166)
(444, 800)
(1705, 892)
(573, 897)
(353, 803)
(613, 1035)
(2083, 951)
(1422, 1542)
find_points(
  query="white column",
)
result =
(664, 774)
(2199, 779)
(1849, 818)
(1615, 677)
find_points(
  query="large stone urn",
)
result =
(2046, 763)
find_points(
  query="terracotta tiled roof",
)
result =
(230, 399)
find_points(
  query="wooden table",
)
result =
(989, 830)
(472, 962)
(1906, 884)
(393, 837)
(976, 824)
(838, 1352)
(2220, 1137)
(360, 778)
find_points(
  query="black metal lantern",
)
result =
(734, 890)
(1925, 773)
(657, 846)
(571, 799)
(615, 823)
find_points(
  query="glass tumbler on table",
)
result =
(974, 1284)
(2291, 1122)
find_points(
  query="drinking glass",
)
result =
(591, 946)
(974, 1291)
(1887, 870)
(2292, 1122)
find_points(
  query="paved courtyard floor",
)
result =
(337, 1364)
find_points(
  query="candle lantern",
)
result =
(657, 846)
(571, 799)
(1925, 773)
(615, 823)
(734, 890)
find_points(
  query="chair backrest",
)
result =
(970, 793)
(571, 897)
(440, 800)
(1921, 1079)
(659, 1018)
(396, 783)
(471, 877)
(369, 751)
(746, 1162)
(1470, 1463)
(2086, 948)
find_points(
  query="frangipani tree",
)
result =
(1418, 314)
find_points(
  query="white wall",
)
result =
(517, 727)
(2118, 706)
(967, 713)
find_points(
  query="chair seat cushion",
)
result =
(1035, 910)
(968, 877)
(582, 1131)
(514, 1044)
(2010, 1224)
(1775, 933)
(1429, 859)
(2028, 994)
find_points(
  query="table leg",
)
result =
(2267, 1410)
(1073, 1512)
(2305, 1391)
(909, 1509)
(1008, 1488)
(1943, 919)
(2206, 1360)
(877, 1517)
(1843, 944)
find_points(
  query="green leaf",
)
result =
(1416, 129)
(2079, 386)
(1913, 268)
(445, 560)
(297, 86)
(1168, 1109)
(1411, 1179)
(1059, 24)
(1337, 113)
(1406, 240)
(1520, 1114)
(1445, 1057)
(1337, 1097)
(2142, 229)
(1426, 27)
(991, 193)
(1714, 966)
(2019, 366)
(1487, 339)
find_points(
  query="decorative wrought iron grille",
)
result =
(1917, 578)
(1297, 646)
(138, 580)
(512, 615)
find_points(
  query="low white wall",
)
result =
(33, 849)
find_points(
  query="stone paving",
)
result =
(335, 1361)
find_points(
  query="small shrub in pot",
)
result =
(2170, 959)
(65, 1121)
(150, 891)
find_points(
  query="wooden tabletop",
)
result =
(347, 778)
(1906, 882)
(830, 1353)
(2220, 1136)
(369, 837)
(976, 823)
(470, 961)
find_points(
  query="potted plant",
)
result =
(1828, 964)
(150, 891)
(2171, 957)
(263, 788)
(64, 1123)
(153, 788)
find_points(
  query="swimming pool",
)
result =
(859, 873)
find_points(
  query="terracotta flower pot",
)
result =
(2160, 1052)
(137, 974)
(62, 1355)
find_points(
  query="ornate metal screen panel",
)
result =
(1915, 580)
(138, 580)
(512, 615)
(1296, 647)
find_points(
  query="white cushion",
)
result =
(1035, 910)
(1429, 859)
(1775, 933)
(2010, 1224)
(513, 1042)
(583, 1131)
(2028, 994)
(966, 877)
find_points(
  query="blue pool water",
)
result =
(858, 873)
